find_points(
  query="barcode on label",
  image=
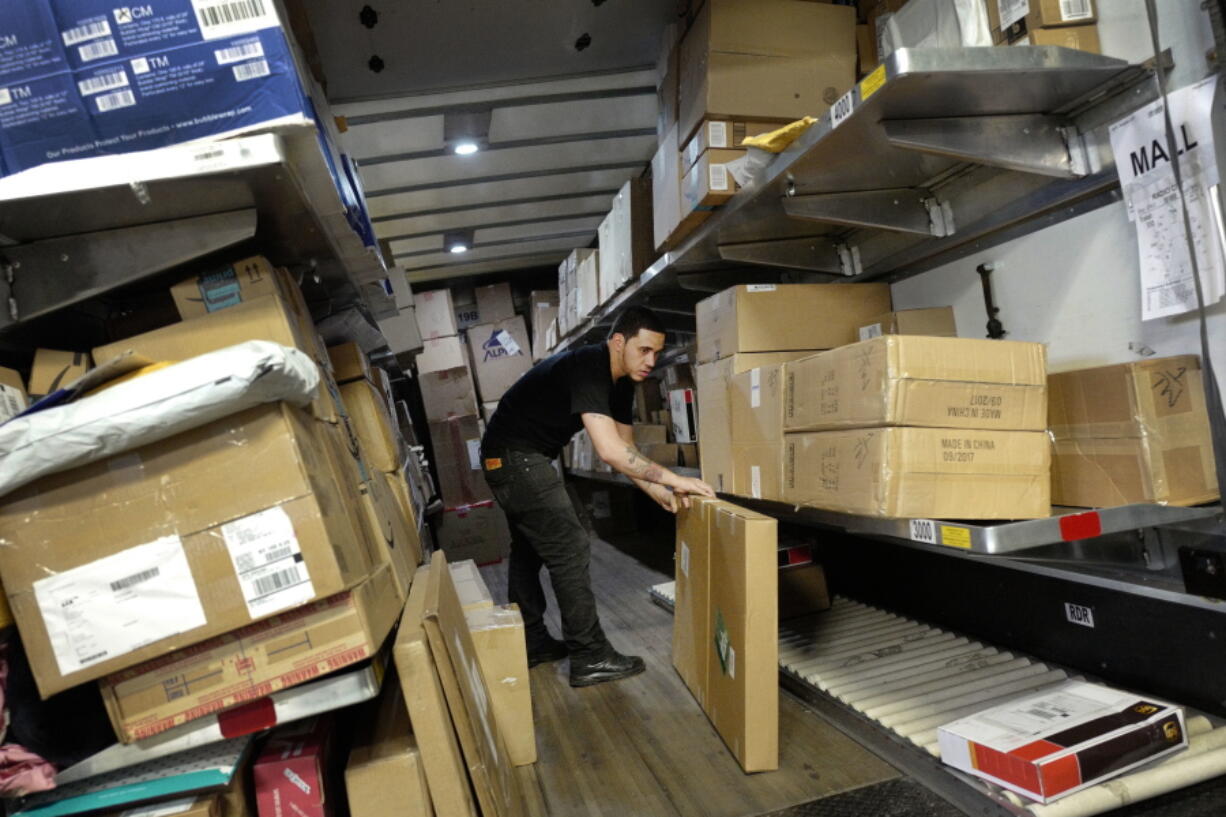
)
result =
(98, 50)
(235, 11)
(277, 581)
(106, 82)
(119, 99)
(89, 31)
(719, 177)
(238, 53)
(1041, 713)
(134, 579)
(209, 155)
(1071, 10)
(12, 402)
(251, 70)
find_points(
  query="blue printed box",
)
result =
(29, 42)
(43, 120)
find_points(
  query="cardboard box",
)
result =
(715, 411)
(757, 470)
(385, 774)
(687, 455)
(667, 74)
(53, 369)
(1048, 13)
(663, 453)
(467, 315)
(770, 60)
(935, 322)
(13, 399)
(720, 134)
(756, 400)
(448, 393)
(691, 622)
(648, 434)
(251, 492)
(1080, 38)
(587, 285)
(866, 49)
(241, 281)
(394, 538)
(708, 184)
(200, 805)
(375, 429)
(476, 531)
(666, 192)
(498, 635)
(252, 662)
(291, 774)
(423, 696)
(912, 380)
(470, 585)
(457, 460)
(647, 401)
(435, 314)
(625, 238)
(1134, 432)
(441, 354)
(398, 287)
(684, 415)
(494, 302)
(401, 332)
(1063, 739)
(544, 312)
(742, 688)
(785, 317)
(802, 590)
(501, 354)
(920, 472)
(348, 363)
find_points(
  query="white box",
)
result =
(401, 292)
(401, 331)
(685, 421)
(435, 314)
(440, 354)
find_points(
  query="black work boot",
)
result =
(612, 666)
(546, 652)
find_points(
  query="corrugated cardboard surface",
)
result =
(54, 369)
(1104, 473)
(785, 317)
(1079, 38)
(440, 354)
(802, 591)
(280, 652)
(756, 398)
(348, 362)
(720, 133)
(494, 302)
(457, 461)
(385, 774)
(919, 381)
(1128, 400)
(498, 635)
(709, 183)
(395, 542)
(544, 311)
(374, 426)
(423, 695)
(477, 531)
(448, 393)
(920, 472)
(497, 367)
(1051, 13)
(757, 470)
(742, 697)
(691, 624)
(934, 322)
(271, 456)
(242, 281)
(435, 314)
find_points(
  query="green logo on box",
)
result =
(722, 645)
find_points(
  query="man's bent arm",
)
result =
(627, 436)
(621, 454)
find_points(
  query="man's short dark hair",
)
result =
(634, 318)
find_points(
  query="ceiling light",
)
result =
(456, 249)
(466, 148)
(457, 241)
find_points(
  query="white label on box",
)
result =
(755, 387)
(12, 402)
(507, 342)
(1079, 614)
(873, 330)
(119, 603)
(229, 18)
(109, 81)
(924, 530)
(1011, 11)
(474, 453)
(760, 288)
(842, 109)
(685, 559)
(731, 662)
(718, 177)
(717, 135)
(98, 50)
(89, 31)
(240, 52)
(1073, 10)
(161, 809)
(268, 562)
(5, 96)
(755, 481)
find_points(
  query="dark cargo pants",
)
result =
(545, 531)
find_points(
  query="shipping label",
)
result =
(119, 603)
(755, 387)
(12, 402)
(1011, 11)
(268, 562)
(755, 481)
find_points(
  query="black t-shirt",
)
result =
(541, 412)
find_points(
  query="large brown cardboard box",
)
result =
(935, 321)
(477, 531)
(709, 184)
(920, 472)
(494, 302)
(544, 311)
(252, 662)
(117, 562)
(1134, 432)
(501, 353)
(385, 774)
(625, 238)
(440, 354)
(435, 314)
(757, 470)
(715, 411)
(448, 393)
(241, 281)
(395, 539)
(1079, 38)
(765, 60)
(742, 689)
(691, 623)
(457, 461)
(912, 380)
(785, 317)
(53, 369)
(348, 363)
(756, 400)
(666, 192)
(375, 428)
(498, 635)
(720, 134)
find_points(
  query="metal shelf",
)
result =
(622, 479)
(74, 230)
(942, 147)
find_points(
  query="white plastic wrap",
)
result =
(936, 24)
(153, 407)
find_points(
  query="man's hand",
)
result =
(692, 485)
(666, 499)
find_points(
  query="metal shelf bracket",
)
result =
(810, 254)
(901, 210)
(849, 260)
(1029, 143)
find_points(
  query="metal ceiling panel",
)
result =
(420, 244)
(457, 169)
(579, 116)
(489, 216)
(504, 265)
(560, 246)
(386, 138)
(587, 224)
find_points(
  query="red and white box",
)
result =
(1062, 740)
(289, 775)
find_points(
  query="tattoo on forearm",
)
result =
(642, 467)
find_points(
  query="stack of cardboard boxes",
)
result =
(400, 329)
(1066, 23)
(498, 346)
(578, 289)
(625, 239)
(544, 317)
